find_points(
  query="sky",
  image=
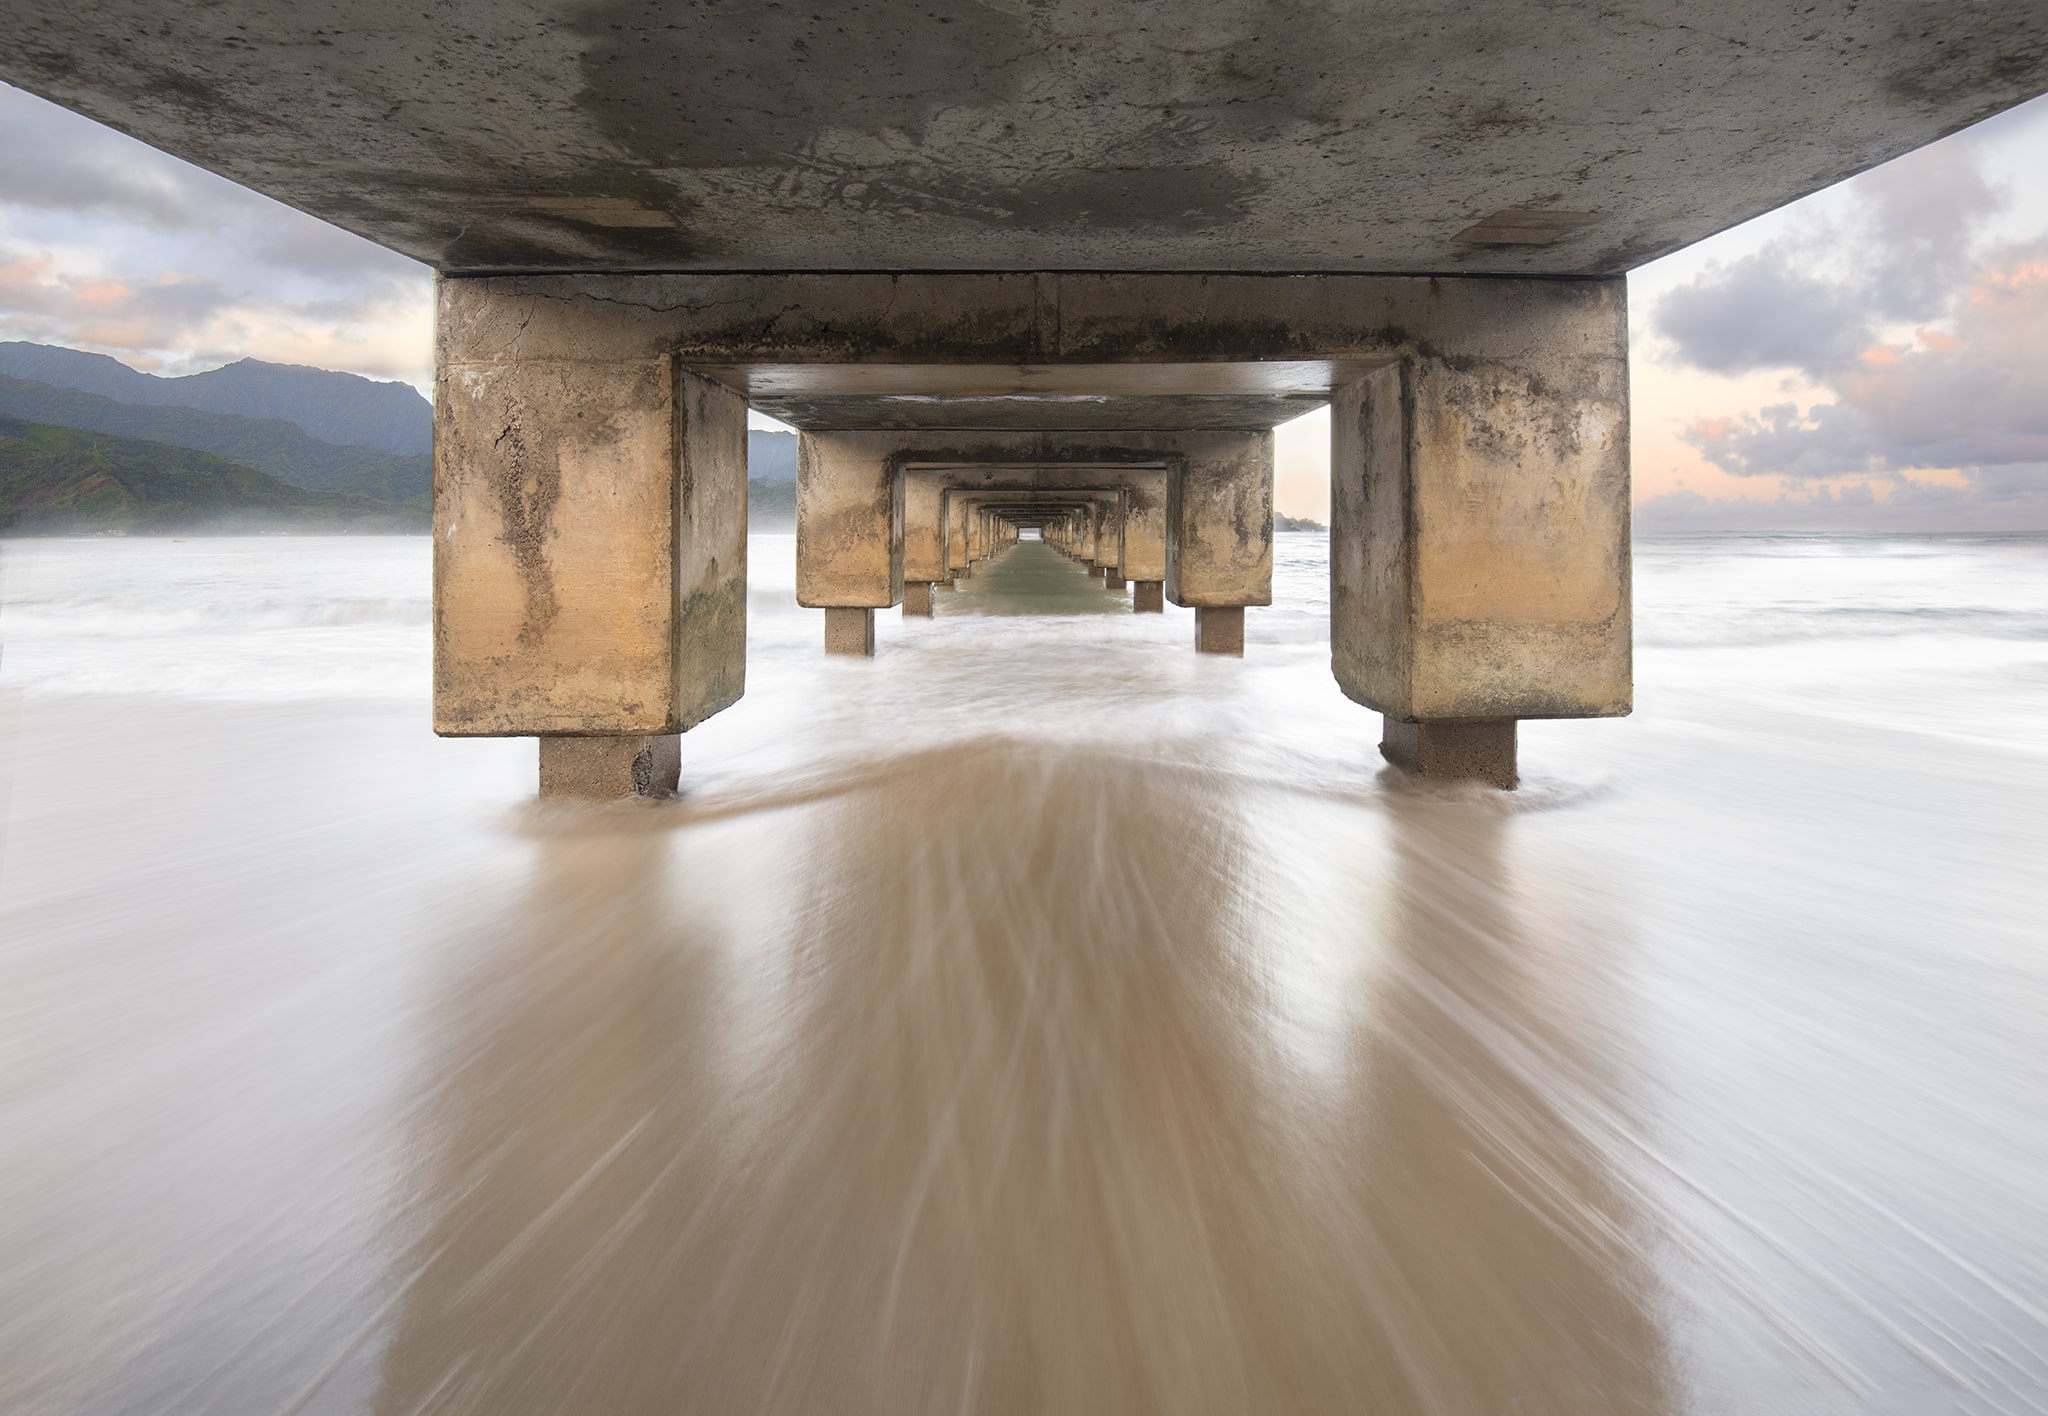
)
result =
(1874, 357)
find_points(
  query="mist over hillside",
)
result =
(771, 456)
(56, 480)
(344, 409)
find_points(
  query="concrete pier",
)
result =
(1219, 629)
(917, 599)
(1481, 751)
(1148, 597)
(849, 630)
(604, 768)
(1113, 580)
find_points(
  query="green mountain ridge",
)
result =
(58, 480)
(328, 405)
(267, 445)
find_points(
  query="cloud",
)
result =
(2001, 499)
(1764, 312)
(1816, 298)
(180, 322)
(1974, 398)
(109, 245)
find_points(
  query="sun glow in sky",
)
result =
(1875, 356)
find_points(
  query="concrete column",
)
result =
(849, 630)
(924, 527)
(1113, 580)
(959, 513)
(1148, 597)
(1219, 629)
(1478, 751)
(601, 768)
(1219, 515)
(590, 549)
(849, 524)
(917, 598)
(1480, 531)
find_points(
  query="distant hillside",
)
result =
(771, 504)
(269, 445)
(771, 457)
(57, 480)
(345, 409)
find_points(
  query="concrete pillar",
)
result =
(1113, 580)
(602, 768)
(1479, 531)
(1481, 751)
(917, 598)
(590, 547)
(1148, 597)
(849, 630)
(1095, 572)
(1219, 629)
(849, 528)
(1219, 514)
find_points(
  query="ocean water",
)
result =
(1036, 1017)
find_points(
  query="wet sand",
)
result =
(1020, 1023)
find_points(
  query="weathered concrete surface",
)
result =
(849, 631)
(1148, 597)
(602, 768)
(1473, 751)
(849, 521)
(1113, 581)
(1219, 630)
(590, 538)
(1480, 522)
(1219, 515)
(1535, 136)
(917, 599)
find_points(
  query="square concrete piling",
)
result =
(605, 768)
(1481, 751)
(1219, 629)
(850, 630)
(917, 599)
(1148, 597)
(1111, 580)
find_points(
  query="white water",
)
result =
(1705, 1074)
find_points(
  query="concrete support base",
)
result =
(1219, 629)
(849, 631)
(1482, 751)
(1095, 572)
(1112, 581)
(602, 768)
(917, 598)
(1148, 597)
(946, 584)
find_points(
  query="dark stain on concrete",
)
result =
(737, 83)
(526, 488)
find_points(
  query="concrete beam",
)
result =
(589, 539)
(1548, 137)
